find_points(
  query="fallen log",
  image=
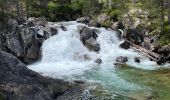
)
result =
(152, 55)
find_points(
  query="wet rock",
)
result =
(13, 43)
(92, 44)
(79, 81)
(147, 43)
(86, 33)
(31, 45)
(18, 82)
(98, 61)
(63, 28)
(121, 59)
(31, 22)
(125, 45)
(94, 24)
(53, 31)
(137, 59)
(134, 36)
(117, 25)
(84, 20)
(46, 35)
(165, 50)
(49, 31)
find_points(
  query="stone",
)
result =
(125, 45)
(137, 59)
(98, 61)
(134, 36)
(84, 20)
(53, 31)
(117, 25)
(63, 28)
(14, 45)
(121, 59)
(94, 24)
(92, 44)
(19, 82)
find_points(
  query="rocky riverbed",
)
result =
(72, 54)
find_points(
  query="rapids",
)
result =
(62, 57)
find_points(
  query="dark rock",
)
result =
(137, 59)
(94, 24)
(117, 25)
(18, 82)
(79, 81)
(63, 28)
(165, 50)
(147, 43)
(31, 22)
(36, 22)
(125, 45)
(86, 33)
(84, 20)
(13, 43)
(134, 36)
(53, 31)
(91, 44)
(121, 59)
(98, 61)
(31, 45)
(46, 35)
(155, 48)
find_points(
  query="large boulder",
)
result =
(134, 36)
(20, 41)
(88, 37)
(136, 17)
(19, 83)
(92, 44)
(86, 33)
(32, 22)
(13, 43)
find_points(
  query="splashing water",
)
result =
(63, 58)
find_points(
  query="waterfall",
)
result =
(63, 57)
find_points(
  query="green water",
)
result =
(129, 83)
(157, 80)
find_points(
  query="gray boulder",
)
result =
(13, 43)
(86, 33)
(92, 44)
(19, 83)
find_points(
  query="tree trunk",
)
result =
(154, 56)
